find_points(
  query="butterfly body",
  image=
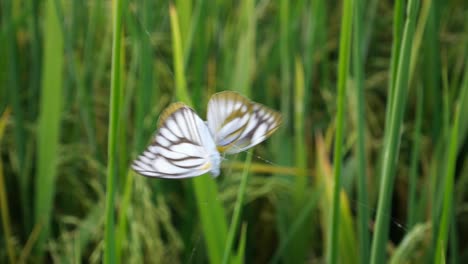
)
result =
(186, 146)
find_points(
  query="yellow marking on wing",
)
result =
(171, 109)
(235, 98)
(207, 166)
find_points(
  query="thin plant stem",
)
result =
(358, 66)
(343, 65)
(392, 141)
(114, 116)
(237, 209)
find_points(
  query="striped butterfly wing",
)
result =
(182, 147)
(237, 123)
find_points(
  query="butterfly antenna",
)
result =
(223, 157)
(259, 157)
(394, 220)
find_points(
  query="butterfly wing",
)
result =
(182, 148)
(237, 123)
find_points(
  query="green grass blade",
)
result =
(449, 179)
(14, 92)
(4, 210)
(358, 67)
(409, 246)
(245, 53)
(415, 207)
(212, 217)
(298, 244)
(237, 210)
(180, 83)
(447, 206)
(240, 256)
(122, 223)
(35, 62)
(398, 16)
(299, 135)
(463, 132)
(343, 65)
(413, 175)
(431, 64)
(210, 209)
(88, 112)
(391, 143)
(49, 123)
(114, 116)
(285, 61)
(184, 8)
(147, 86)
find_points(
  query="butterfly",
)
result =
(186, 146)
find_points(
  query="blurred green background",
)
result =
(369, 166)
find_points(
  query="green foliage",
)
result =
(374, 131)
(390, 149)
(115, 103)
(343, 68)
(49, 124)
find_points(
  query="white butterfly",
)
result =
(185, 146)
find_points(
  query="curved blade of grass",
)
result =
(406, 249)
(210, 209)
(413, 174)
(391, 143)
(432, 65)
(3, 198)
(148, 87)
(179, 71)
(347, 241)
(297, 250)
(185, 10)
(240, 255)
(122, 224)
(49, 123)
(212, 216)
(237, 210)
(398, 16)
(114, 115)
(358, 65)
(14, 97)
(34, 27)
(449, 178)
(462, 133)
(343, 64)
(89, 50)
(245, 54)
(285, 62)
(301, 159)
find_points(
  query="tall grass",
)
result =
(343, 66)
(237, 212)
(442, 238)
(5, 211)
(449, 180)
(369, 164)
(48, 135)
(390, 151)
(358, 70)
(12, 81)
(114, 116)
(212, 214)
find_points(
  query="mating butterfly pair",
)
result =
(185, 146)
